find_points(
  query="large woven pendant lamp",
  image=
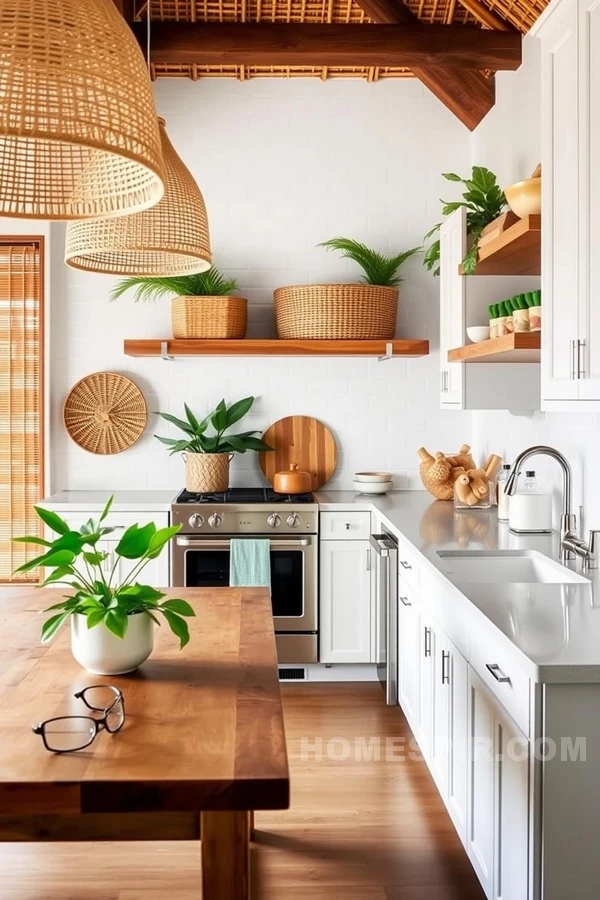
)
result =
(169, 239)
(78, 132)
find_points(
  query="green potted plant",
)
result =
(484, 201)
(112, 618)
(207, 456)
(361, 311)
(202, 306)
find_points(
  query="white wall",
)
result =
(508, 141)
(282, 165)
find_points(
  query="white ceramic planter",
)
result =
(100, 651)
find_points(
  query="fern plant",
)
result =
(211, 283)
(379, 269)
(484, 201)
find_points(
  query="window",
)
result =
(21, 399)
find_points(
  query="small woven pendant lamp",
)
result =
(78, 132)
(170, 239)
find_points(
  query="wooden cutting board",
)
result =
(303, 441)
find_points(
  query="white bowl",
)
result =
(373, 477)
(478, 333)
(364, 487)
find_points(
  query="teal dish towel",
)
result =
(250, 564)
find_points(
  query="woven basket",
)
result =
(206, 473)
(209, 317)
(105, 413)
(336, 312)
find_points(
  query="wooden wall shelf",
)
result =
(521, 347)
(517, 251)
(250, 347)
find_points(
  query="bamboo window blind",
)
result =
(21, 400)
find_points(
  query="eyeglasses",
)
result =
(65, 734)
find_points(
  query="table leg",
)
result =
(225, 840)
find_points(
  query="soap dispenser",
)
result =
(530, 509)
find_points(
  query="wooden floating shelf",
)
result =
(250, 347)
(520, 347)
(517, 251)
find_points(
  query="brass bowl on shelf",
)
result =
(525, 197)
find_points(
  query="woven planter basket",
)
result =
(209, 317)
(206, 473)
(336, 312)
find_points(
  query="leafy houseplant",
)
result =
(202, 306)
(112, 619)
(359, 311)
(207, 456)
(484, 201)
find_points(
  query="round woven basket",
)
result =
(336, 312)
(105, 413)
(206, 473)
(209, 317)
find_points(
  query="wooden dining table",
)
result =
(202, 747)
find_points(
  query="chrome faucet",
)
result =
(570, 544)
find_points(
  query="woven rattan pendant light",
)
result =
(78, 133)
(169, 239)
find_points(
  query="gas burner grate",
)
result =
(245, 495)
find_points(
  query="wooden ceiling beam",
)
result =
(465, 92)
(485, 15)
(281, 44)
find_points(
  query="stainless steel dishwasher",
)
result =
(385, 585)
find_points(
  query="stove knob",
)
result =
(293, 520)
(196, 520)
(215, 521)
(273, 521)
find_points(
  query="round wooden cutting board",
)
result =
(304, 442)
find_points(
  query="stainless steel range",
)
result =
(200, 555)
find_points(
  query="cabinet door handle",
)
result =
(368, 560)
(427, 641)
(573, 364)
(445, 667)
(405, 601)
(581, 359)
(495, 670)
(404, 564)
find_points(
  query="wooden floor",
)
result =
(356, 830)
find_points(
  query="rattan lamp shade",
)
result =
(78, 133)
(105, 413)
(169, 239)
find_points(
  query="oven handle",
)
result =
(214, 544)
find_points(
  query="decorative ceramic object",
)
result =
(477, 333)
(292, 481)
(100, 651)
(439, 472)
(373, 487)
(373, 477)
(525, 197)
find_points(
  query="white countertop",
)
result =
(125, 501)
(556, 627)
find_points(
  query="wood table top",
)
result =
(204, 725)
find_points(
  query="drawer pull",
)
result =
(495, 670)
(445, 667)
(405, 601)
(427, 648)
(348, 526)
(404, 564)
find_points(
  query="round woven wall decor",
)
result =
(105, 413)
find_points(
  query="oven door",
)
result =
(204, 562)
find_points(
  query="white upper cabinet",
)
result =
(464, 301)
(570, 41)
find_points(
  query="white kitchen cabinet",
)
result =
(464, 301)
(570, 52)
(155, 573)
(498, 791)
(345, 601)
(408, 653)
(426, 651)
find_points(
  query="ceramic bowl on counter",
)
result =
(373, 487)
(373, 477)
(477, 333)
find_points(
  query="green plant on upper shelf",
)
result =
(484, 201)
(379, 269)
(222, 418)
(211, 283)
(98, 594)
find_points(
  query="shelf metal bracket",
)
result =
(388, 352)
(164, 352)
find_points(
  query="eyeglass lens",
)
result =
(69, 733)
